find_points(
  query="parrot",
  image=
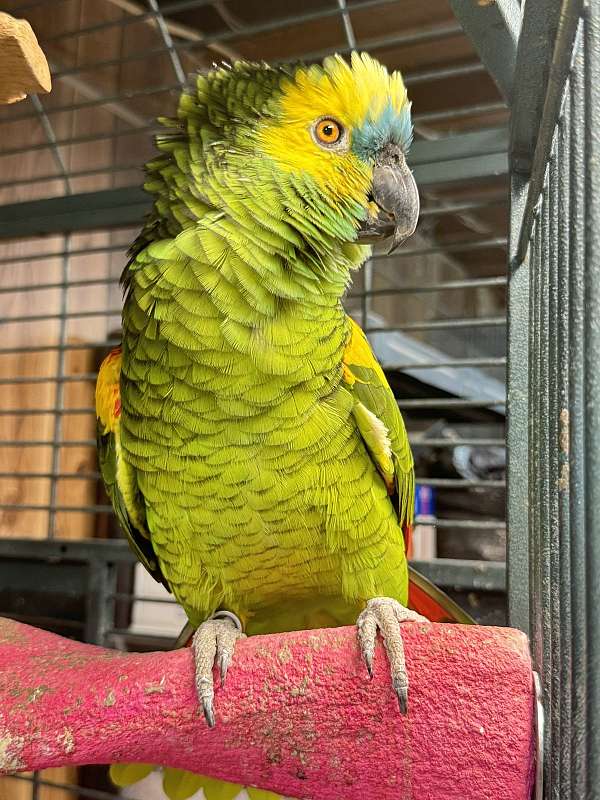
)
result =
(249, 442)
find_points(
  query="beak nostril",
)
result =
(370, 197)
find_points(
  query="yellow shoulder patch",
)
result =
(108, 393)
(358, 353)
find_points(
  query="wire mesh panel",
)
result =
(61, 304)
(553, 385)
(435, 312)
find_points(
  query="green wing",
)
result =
(380, 422)
(118, 476)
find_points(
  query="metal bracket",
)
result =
(493, 26)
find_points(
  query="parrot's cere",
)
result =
(251, 446)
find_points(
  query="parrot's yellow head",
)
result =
(348, 127)
(321, 148)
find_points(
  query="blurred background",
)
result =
(70, 204)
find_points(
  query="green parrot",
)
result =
(253, 451)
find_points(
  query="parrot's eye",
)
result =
(328, 132)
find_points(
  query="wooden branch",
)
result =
(23, 66)
(298, 714)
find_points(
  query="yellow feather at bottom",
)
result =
(126, 774)
(179, 784)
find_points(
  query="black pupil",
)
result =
(328, 130)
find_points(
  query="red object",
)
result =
(426, 604)
(298, 715)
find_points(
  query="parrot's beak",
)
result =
(395, 193)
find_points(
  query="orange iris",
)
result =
(328, 131)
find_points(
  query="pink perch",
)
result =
(298, 714)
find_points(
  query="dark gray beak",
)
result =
(395, 192)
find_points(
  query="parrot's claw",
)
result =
(213, 645)
(386, 615)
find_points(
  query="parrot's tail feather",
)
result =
(407, 531)
(431, 602)
(185, 637)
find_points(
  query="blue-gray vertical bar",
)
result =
(543, 489)
(564, 404)
(494, 31)
(577, 162)
(534, 507)
(554, 209)
(517, 421)
(591, 340)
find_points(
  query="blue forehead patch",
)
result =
(389, 127)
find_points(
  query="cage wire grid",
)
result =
(553, 395)
(435, 312)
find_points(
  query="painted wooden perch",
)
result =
(23, 66)
(298, 714)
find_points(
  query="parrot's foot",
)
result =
(386, 615)
(213, 645)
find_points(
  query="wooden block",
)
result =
(36, 491)
(32, 492)
(23, 66)
(71, 524)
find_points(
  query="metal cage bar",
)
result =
(591, 338)
(553, 382)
